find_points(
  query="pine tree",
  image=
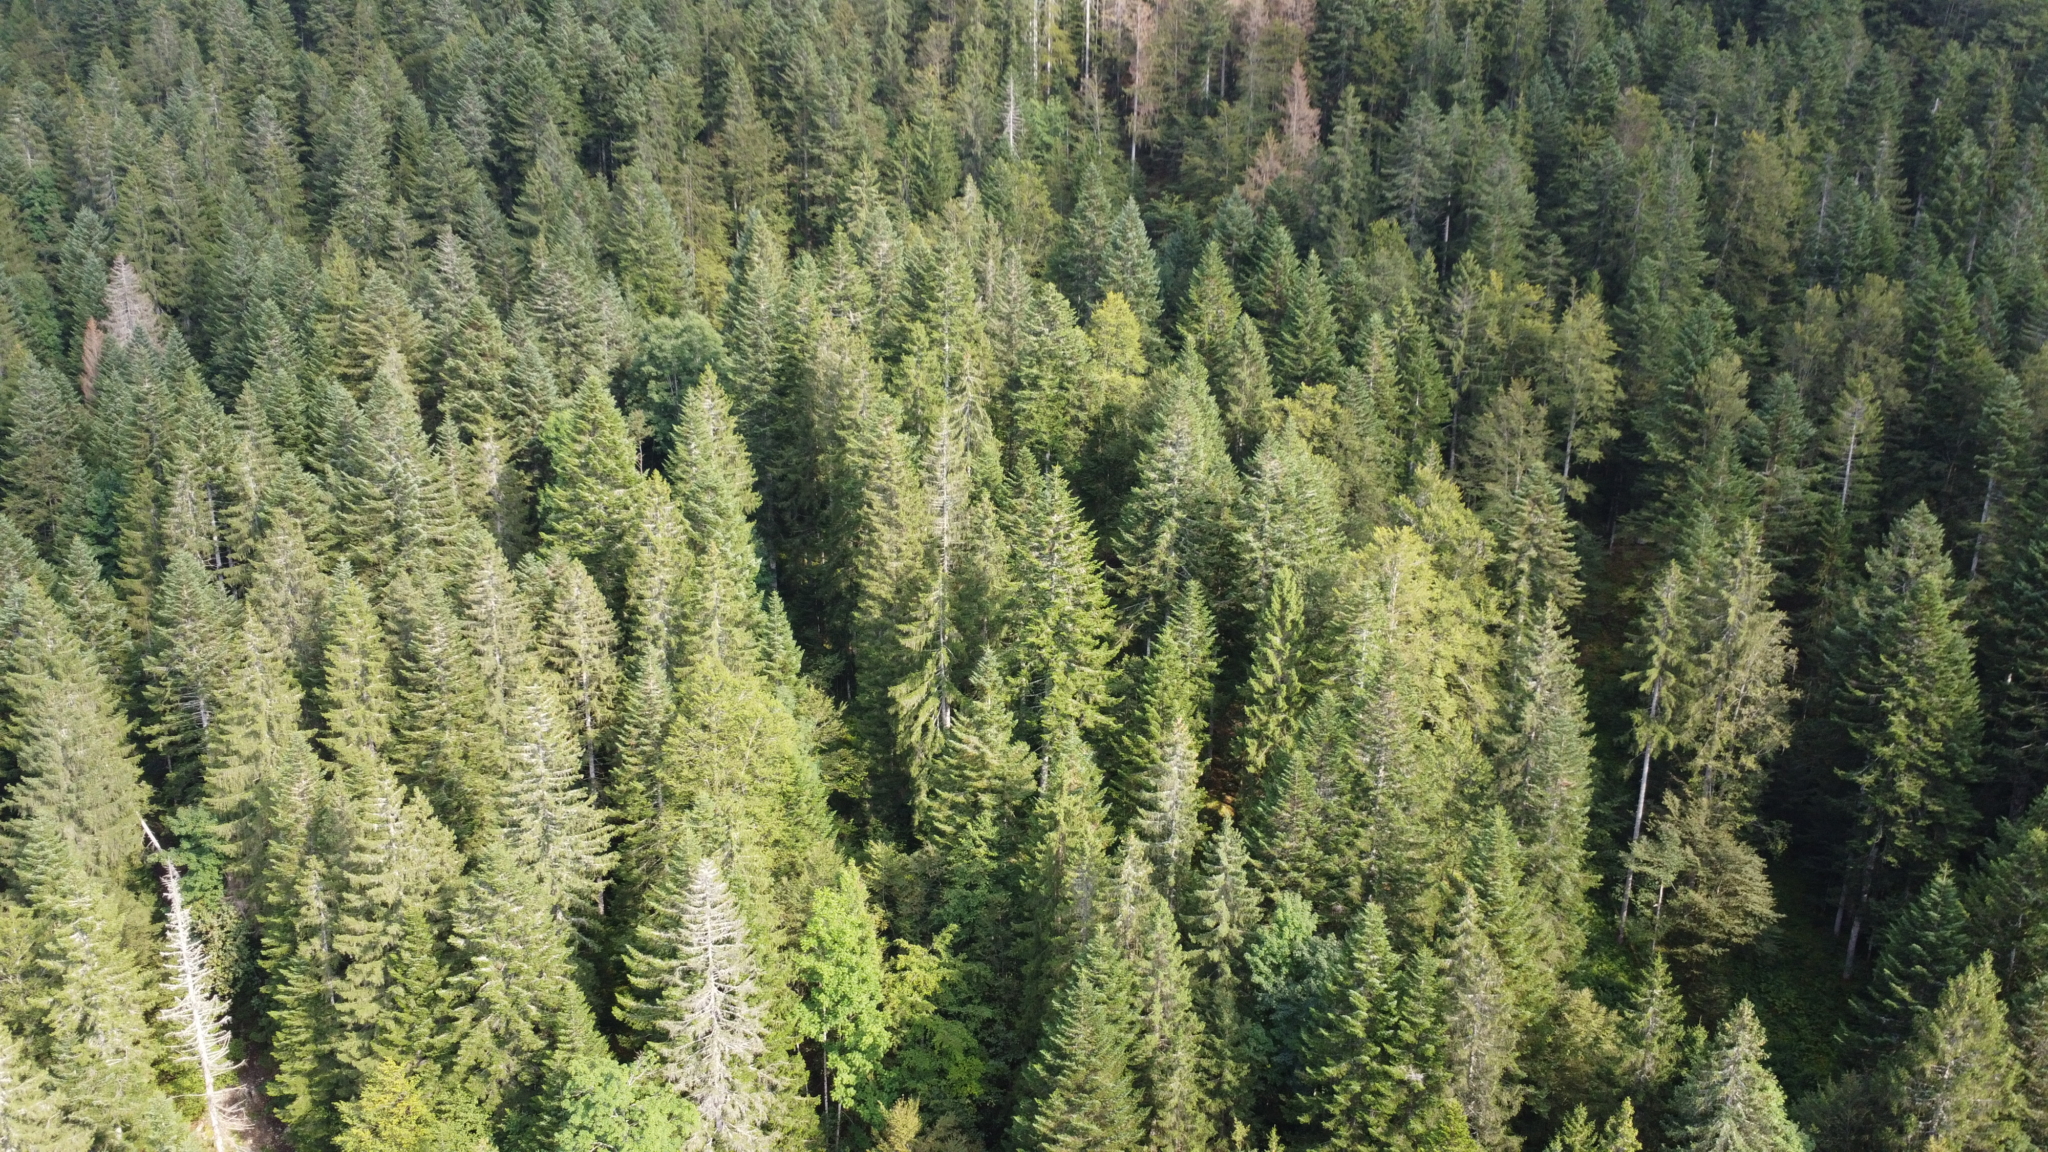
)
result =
(695, 991)
(1958, 1082)
(1729, 1100)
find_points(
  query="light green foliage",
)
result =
(611, 1107)
(840, 966)
(1729, 1100)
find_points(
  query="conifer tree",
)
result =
(1580, 388)
(578, 641)
(1358, 1086)
(1279, 680)
(517, 1004)
(1958, 1081)
(1925, 947)
(1305, 348)
(39, 462)
(1522, 504)
(1481, 1028)
(1174, 524)
(31, 1115)
(390, 496)
(1060, 624)
(259, 750)
(1546, 762)
(76, 778)
(695, 977)
(1730, 1100)
(552, 829)
(1128, 269)
(588, 508)
(400, 860)
(1088, 1099)
(1912, 698)
(91, 1000)
(189, 664)
(714, 488)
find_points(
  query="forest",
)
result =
(1023, 575)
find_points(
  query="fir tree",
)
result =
(696, 992)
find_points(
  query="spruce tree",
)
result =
(76, 778)
(1958, 1083)
(1921, 950)
(31, 1114)
(1910, 692)
(1174, 524)
(714, 489)
(1280, 680)
(1060, 626)
(1084, 1096)
(1730, 1100)
(578, 642)
(696, 994)
(1481, 1028)
(1546, 762)
(588, 508)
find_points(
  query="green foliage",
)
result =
(1271, 533)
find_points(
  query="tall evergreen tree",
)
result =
(1729, 1099)
(696, 993)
